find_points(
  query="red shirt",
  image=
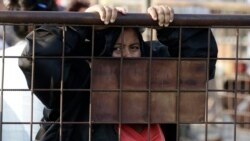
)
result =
(129, 134)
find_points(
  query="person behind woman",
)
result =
(17, 103)
(112, 41)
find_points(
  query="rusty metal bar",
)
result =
(91, 85)
(178, 86)
(75, 18)
(207, 84)
(236, 79)
(2, 84)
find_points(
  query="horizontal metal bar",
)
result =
(78, 122)
(76, 18)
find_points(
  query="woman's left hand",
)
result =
(164, 14)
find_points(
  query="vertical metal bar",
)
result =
(178, 86)
(148, 3)
(149, 82)
(33, 66)
(2, 81)
(207, 86)
(32, 81)
(236, 84)
(61, 83)
(91, 82)
(121, 87)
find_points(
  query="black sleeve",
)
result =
(46, 59)
(194, 43)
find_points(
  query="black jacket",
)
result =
(75, 73)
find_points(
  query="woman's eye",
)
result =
(134, 47)
(117, 48)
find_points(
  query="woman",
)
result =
(76, 72)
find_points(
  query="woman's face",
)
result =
(127, 45)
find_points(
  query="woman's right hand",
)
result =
(107, 14)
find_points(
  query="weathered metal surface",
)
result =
(192, 107)
(163, 107)
(193, 75)
(155, 99)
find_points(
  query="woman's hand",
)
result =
(164, 14)
(107, 14)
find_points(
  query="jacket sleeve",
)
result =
(44, 64)
(193, 42)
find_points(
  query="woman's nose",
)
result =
(126, 52)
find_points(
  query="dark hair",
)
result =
(78, 5)
(31, 5)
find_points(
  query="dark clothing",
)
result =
(75, 74)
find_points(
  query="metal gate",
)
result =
(142, 90)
